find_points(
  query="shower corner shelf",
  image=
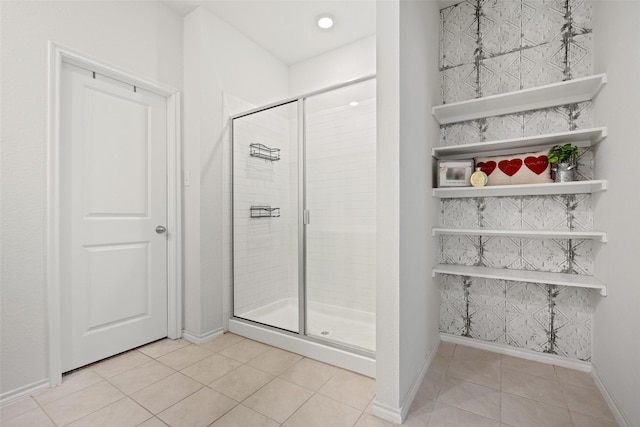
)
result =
(263, 152)
(264, 212)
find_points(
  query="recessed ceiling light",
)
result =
(354, 103)
(325, 22)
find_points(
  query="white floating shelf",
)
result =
(574, 187)
(562, 279)
(540, 234)
(580, 138)
(567, 92)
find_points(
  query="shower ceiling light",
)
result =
(354, 103)
(325, 22)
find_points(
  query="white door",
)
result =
(114, 205)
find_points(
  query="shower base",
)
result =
(340, 325)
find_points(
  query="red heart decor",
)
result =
(510, 167)
(487, 167)
(537, 164)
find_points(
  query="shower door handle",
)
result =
(305, 217)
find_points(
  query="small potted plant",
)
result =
(564, 162)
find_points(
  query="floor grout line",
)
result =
(456, 353)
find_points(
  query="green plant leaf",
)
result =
(562, 153)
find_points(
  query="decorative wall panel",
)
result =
(490, 47)
(459, 83)
(569, 212)
(550, 40)
(562, 118)
(500, 27)
(459, 35)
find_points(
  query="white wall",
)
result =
(354, 60)
(408, 299)
(388, 207)
(217, 60)
(419, 91)
(615, 343)
(144, 37)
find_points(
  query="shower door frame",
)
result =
(301, 215)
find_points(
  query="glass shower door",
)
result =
(340, 196)
(265, 217)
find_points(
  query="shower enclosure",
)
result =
(304, 216)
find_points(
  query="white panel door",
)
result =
(113, 197)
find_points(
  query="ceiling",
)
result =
(287, 28)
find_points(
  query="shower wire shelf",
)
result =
(263, 152)
(264, 212)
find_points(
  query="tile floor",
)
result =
(233, 381)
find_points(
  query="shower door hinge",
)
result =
(305, 217)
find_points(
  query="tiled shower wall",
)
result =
(341, 197)
(490, 47)
(261, 245)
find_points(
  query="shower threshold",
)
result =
(317, 350)
(353, 328)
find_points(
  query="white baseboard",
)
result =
(615, 409)
(199, 339)
(523, 353)
(387, 413)
(415, 386)
(27, 390)
(398, 415)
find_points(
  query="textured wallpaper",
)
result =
(489, 47)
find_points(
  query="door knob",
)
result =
(160, 229)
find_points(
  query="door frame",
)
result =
(59, 54)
